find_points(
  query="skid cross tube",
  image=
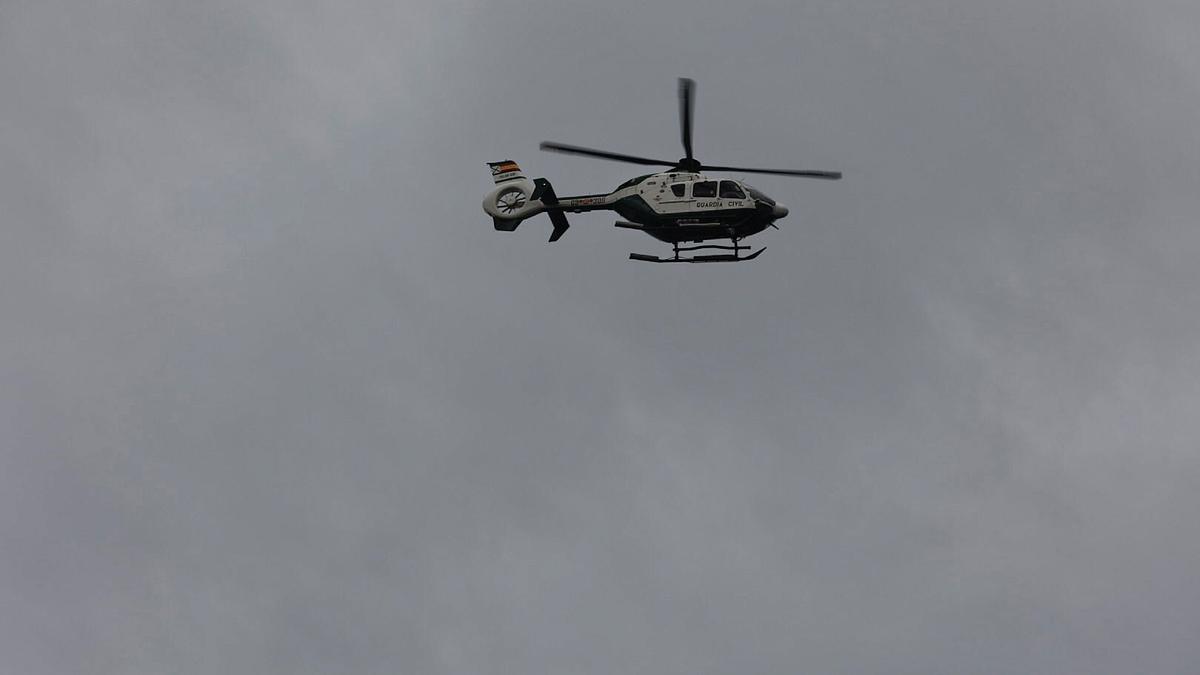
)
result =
(735, 247)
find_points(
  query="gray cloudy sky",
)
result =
(276, 398)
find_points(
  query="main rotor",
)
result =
(687, 163)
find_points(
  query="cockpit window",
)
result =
(730, 190)
(758, 196)
(706, 188)
(678, 189)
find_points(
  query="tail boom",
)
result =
(516, 198)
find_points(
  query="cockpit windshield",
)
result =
(758, 196)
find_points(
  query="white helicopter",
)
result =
(679, 205)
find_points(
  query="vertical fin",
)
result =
(545, 192)
(505, 171)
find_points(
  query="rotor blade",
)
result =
(687, 91)
(576, 150)
(827, 175)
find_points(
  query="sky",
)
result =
(275, 397)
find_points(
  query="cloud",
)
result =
(279, 400)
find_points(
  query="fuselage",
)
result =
(679, 206)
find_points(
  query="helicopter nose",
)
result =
(779, 211)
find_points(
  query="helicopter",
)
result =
(678, 206)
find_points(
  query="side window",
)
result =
(678, 189)
(706, 188)
(730, 190)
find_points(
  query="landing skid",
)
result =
(723, 257)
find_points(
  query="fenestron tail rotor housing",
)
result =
(510, 201)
